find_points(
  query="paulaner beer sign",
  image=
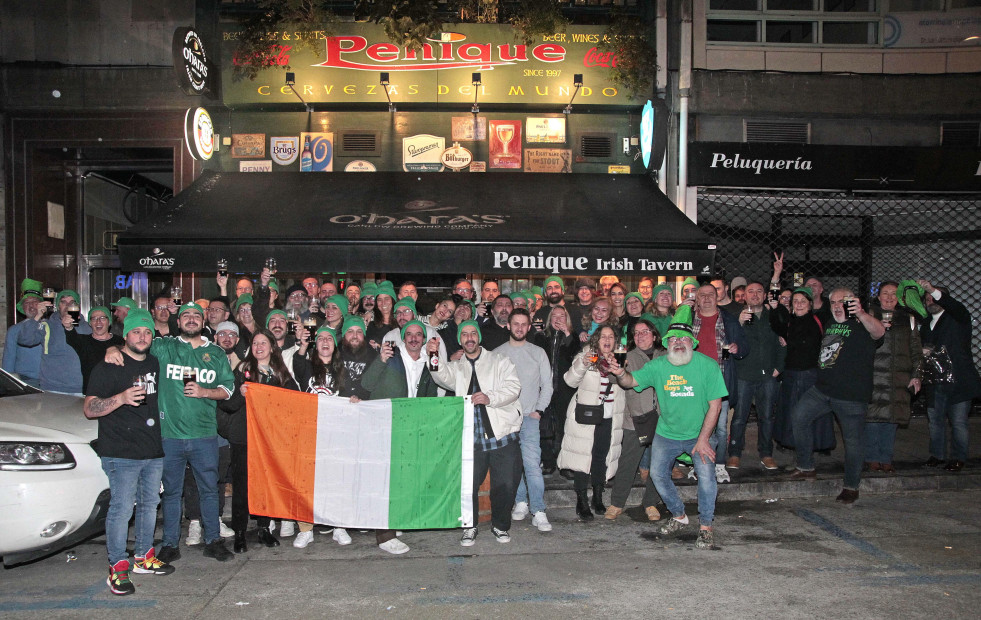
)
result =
(349, 63)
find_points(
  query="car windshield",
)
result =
(11, 387)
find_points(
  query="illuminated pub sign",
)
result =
(350, 63)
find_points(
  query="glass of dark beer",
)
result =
(48, 294)
(176, 293)
(189, 374)
(75, 312)
(223, 267)
(620, 355)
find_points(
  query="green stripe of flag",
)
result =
(427, 447)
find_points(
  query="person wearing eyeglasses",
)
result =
(91, 348)
(464, 288)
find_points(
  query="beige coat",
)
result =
(577, 445)
(498, 381)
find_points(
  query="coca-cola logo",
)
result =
(274, 56)
(596, 58)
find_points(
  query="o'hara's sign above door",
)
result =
(347, 69)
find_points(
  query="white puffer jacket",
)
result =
(577, 445)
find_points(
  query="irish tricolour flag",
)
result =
(405, 463)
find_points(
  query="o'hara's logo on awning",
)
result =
(446, 52)
(722, 160)
(157, 260)
(371, 220)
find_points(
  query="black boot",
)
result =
(267, 538)
(240, 546)
(582, 506)
(598, 499)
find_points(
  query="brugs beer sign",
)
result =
(347, 70)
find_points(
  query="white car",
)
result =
(53, 492)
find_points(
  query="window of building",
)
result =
(799, 22)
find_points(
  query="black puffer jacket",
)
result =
(896, 362)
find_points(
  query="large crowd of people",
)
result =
(593, 383)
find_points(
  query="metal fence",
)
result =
(848, 239)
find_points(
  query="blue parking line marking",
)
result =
(84, 601)
(848, 537)
(513, 598)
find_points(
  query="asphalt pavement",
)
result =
(909, 547)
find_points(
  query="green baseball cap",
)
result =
(188, 307)
(124, 302)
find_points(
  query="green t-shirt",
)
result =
(683, 393)
(182, 417)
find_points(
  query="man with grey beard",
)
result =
(690, 389)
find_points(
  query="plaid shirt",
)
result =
(479, 441)
(720, 335)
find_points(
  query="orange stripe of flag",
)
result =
(282, 435)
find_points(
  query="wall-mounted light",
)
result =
(383, 80)
(577, 82)
(475, 79)
(290, 81)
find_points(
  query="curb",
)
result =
(562, 495)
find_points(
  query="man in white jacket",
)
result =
(492, 383)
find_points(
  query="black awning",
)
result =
(423, 223)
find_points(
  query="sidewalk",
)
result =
(752, 482)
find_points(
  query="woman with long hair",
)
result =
(383, 320)
(600, 313)
(662, 307)
(561, 345)
(319, 370)
(644, 345)
(243, 316)
(802, 331)
(366, 306)
(263, 364)
(618, 294)
(593, 451)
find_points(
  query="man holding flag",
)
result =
(492, 383)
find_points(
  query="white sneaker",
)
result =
(469, 537)
(303, 539)
(721, 474)
(541, 522)
(272, 525)
(224, 531)
(341, 537)
(520, 511)
(394, 546)
(287, 528)
(194, 534)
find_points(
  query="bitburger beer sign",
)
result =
(347, 68)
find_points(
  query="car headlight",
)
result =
(35, 456)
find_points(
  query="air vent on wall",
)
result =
(960, 133)
(777, 131)
(595, 146)
(359, 143)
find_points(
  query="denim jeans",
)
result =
(880, 439)
(202, 454)
(131, 481)
(941, 411)
(532, 480)
(663, 453)
(720, 438)
(764, 392)
(851, 419)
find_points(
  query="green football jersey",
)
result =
(182, 417)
